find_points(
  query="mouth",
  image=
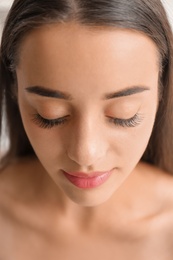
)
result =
(87, 180)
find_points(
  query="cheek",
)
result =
(133, 142)
(45, 142)
(48, 144)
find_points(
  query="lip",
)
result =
(87, 180)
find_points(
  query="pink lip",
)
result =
(85, 181)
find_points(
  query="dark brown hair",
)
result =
(146, 16)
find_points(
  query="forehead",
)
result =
(64, 51)
(69, 36)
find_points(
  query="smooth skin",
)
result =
(43, 215)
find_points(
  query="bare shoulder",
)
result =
(155, 204)
(19, 169)
(20, 192)
(20, 165)
(19, 180)
(159, 188)
(21, 187)
(161, 181)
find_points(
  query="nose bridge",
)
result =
(87, 144)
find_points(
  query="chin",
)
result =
(90, 198)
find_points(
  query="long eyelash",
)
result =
(131, 122)
(47, 123)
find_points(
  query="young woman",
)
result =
(87, 92)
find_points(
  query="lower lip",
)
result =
(87, 183)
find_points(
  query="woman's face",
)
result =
(88, 101)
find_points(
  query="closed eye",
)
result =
(48, 123)
(130, 122)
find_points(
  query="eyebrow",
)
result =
(46, 92)
(127, 92)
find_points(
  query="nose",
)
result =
(87, 144)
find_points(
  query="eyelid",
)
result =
(48, 123)
(129, 122)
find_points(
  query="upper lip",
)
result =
(87, 175)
